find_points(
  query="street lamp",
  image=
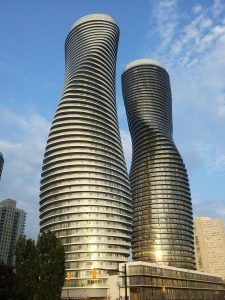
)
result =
(94, 276)
(125, 278)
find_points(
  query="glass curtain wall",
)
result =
(163, 222)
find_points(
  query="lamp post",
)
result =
(94, 276)
(125, 278)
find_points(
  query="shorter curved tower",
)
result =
(162, 219)
(1, 163)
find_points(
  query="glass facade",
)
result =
(162, 209)
(150, 281)
(85, 194)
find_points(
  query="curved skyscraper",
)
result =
(85, 193)
(163, 223)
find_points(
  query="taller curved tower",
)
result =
(163, 223)
(85, 192)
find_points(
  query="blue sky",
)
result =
(187, 36)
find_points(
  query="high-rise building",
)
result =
(1, 163)
(162, 209)
(210, 245)
(12, 223)
(85, 194)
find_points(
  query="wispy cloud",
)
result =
(192, 47)
(193, 51)
(22, 142)
(218, 8)
(166, 21)
(184, 37)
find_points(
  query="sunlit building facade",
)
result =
(150, 281)
(210, 245)
(162, 209)
(85, 194)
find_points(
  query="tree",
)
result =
(27, 269)
(7, 281)
(39, 268)
(51, 256)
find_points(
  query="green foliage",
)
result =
(39, 268)
(7, 281)
(27, 269)
(51, 262)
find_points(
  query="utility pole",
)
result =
(125, 278)
(94, 276)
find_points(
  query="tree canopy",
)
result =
(7, 281)
(51, 256)
(40, 270)
(27, 269)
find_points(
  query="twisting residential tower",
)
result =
(163, 223)
(85, 193)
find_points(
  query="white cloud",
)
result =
(22, 143)
(194, 58)
(197, 8)
(166, 18)
(218, 8)
(183, 38)
(220, 162)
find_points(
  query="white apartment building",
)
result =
(210, 245)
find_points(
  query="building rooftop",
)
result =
(163, 266)
(93, 17)
(143, 61)
(8, 202)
